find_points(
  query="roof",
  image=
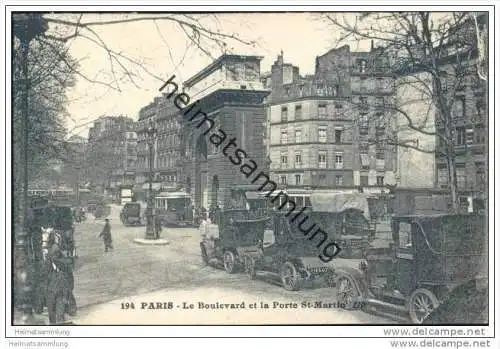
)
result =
(216, 64)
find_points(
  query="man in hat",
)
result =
(106, 235)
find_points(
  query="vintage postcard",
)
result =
(250, 166)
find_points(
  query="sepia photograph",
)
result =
(250, 166)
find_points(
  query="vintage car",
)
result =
(284, 252)
(238, 227)
(347, 218)
(429, 256)
(131, 214)
(237, 231)
(53, 251)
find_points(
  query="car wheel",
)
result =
(229, 262)
(250, 267)
(290, 277)
(347, 294)
(422, 302)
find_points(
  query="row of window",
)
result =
(322, 160)
(470, 135)
(339, 179)
(322, 135)
(168, 125)
(168, 140)
(478, 181)
(459, 109)
(163, 161)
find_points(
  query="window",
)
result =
(480, 110)
(322, 111)
(363, 180)
(339, 161)
(460, 137)
(338, 110)
(284, 114)
(380, 102)
(338, 136)
(480, 135)
(336, 90)
(283, 179)
(298, 159)
(322, 178)
(379, 133)
(363, 123)
(322, 160)
(298, 136)
(461, 180)
(320, 89)
(469, 135)
(363, 104)
(480, 176)
(362, 66)
(363, 147)
(322, 134)
(298, 179)
(284, 136)
(284, 160)
(379, 152)
(459, 107)
(380, 180)
(442, 177)
(339, 180)
(298, 112)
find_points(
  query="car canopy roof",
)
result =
(340, 202)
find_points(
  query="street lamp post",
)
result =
(26, 27)
(150, 228)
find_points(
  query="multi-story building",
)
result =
(469, 117)
(163, 116)
(327, 131)
(111, 157)
(229, 92)
(466, 142)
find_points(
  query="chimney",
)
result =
(372, 46)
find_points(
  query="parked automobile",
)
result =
(131, 214)
(429, 256)
(288, 255)
(237, 229)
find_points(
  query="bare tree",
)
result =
(434, 54)
(201, 31)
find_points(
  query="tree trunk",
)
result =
(452, 178)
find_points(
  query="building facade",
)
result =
(111, 157)
(327, 131)
(230, 93)
(163, 116)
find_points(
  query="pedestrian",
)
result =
(106, 235)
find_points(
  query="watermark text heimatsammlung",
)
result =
(249, 168)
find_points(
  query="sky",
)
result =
(161, 46)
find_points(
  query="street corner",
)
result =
(142, 241)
